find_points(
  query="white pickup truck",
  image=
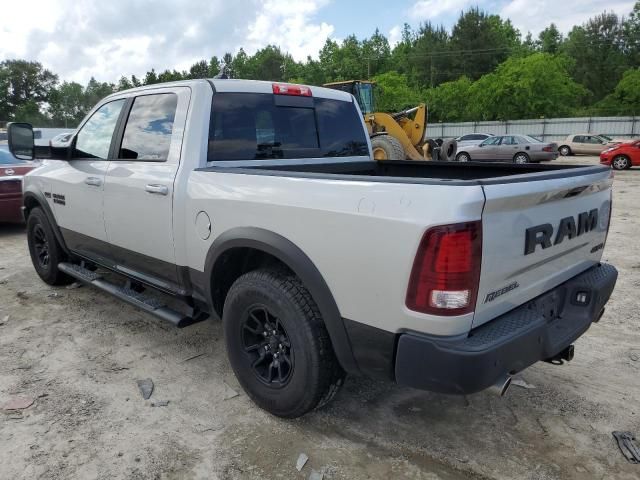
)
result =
(259, 203)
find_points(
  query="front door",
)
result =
(77, 187)
(138, 195)
(487, 150)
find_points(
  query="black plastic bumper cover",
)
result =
(537, 330)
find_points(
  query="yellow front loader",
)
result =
(394, 136)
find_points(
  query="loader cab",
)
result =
(361, 89)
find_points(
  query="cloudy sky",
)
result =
(78, 39)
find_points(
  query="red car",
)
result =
(622, 155)
(11, 171)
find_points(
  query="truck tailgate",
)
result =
(538, 234)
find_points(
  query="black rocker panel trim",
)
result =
(295, 259)
(156, 273)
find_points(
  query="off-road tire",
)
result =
(40, 237)
(620, 162)
(389, 146)
(448, 150)
(315, 375)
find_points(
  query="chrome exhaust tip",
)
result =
(501, 386)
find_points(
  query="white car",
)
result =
(260, 203)
(472, 139)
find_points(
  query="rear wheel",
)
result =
(44, 249)
(521, 157)
(463, 157)
(621, 162)
(278, 345)
(564, 150)
(386, 147)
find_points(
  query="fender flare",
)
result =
(291, 255)
(41, 201)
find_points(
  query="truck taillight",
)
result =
(288, 89)
(446, 271)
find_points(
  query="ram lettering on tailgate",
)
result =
(543, 234)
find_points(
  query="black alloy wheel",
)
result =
(266, 343)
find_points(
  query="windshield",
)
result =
(364, 96)
(531, 139)
(605, 137)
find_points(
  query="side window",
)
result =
(147, 134)
(94, 138)
(508, 141)
(492, 141)
(578, 139)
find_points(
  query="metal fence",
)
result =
(551, 129)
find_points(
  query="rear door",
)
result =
(538, 234)
(138, 192)
(508, 148)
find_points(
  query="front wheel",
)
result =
(44, 249)
(521, 158)
(278, 345)
(620, 162)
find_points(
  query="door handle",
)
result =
(157, 189)
(93, 181)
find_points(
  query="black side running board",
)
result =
(137, 299)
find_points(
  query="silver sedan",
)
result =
(509, 148)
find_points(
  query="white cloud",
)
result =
(78, 39)
(289, 25)
(536, 16)
(395, 35)
(432, 9)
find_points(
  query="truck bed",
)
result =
(483, 173)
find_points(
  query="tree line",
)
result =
(481, 69)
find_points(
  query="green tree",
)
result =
(550, 39)
(528, 87)
(450, 101)
(625, 99)
(631, 35)
(199, 70)
(480, 42)
(597, 48)
(394, 93)
(24, 86)
(67, 104)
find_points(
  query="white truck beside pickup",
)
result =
(259, 203)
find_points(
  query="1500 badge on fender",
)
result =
(541, 234)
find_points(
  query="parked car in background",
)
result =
(61, 140)
(12, 170)
(584, 144)
(472, 139)
(622, 155)
(509, 148)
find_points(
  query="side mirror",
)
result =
(21, 144)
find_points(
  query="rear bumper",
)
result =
(537, 330)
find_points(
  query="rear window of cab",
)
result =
(260, 126)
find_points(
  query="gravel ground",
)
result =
(78, 354)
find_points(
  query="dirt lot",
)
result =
(78, 353)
